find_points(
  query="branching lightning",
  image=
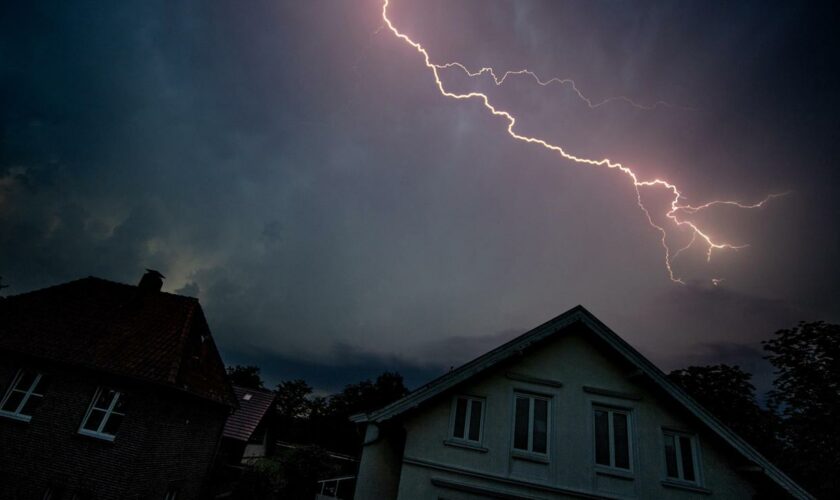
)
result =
(545, 83)
(677, 208)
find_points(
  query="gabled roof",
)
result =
(254, 404)
(91, 323)
(557, 326)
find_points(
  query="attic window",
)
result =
(24, 394)
(247, 397)
(467, 417)
(681, 456)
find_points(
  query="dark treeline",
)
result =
(799, 429)
(304, 418)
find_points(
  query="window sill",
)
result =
(15, 416)
(530, 457)
(679, 485)
(95, 435)
(465, 445)
(618, 473)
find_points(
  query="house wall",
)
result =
(166, 438)
(433, 469)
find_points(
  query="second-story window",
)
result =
(612, 438)
(530, 426)
(104, 415)
(24, 395)
(680, 456)
(468, 414)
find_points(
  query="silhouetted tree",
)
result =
(726, 391)
(807, 394)
(368, 395)
(245, 376)
(293, 399)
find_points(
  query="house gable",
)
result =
(594, 367)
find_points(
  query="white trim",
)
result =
(18, 414)
(611, 411)
(467, 419)
(529, 453)
(557, 325)
(99, 432)
(695, 457)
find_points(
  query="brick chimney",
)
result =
(151, 282)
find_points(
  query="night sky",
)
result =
(293, 165)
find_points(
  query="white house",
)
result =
(566, 410)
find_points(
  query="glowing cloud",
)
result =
(677, 207)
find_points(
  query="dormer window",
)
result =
(467, 418)
(24, 395)
(104, 415)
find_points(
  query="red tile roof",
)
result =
(253, 406)
(93, 323)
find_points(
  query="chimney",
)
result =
(151, 282)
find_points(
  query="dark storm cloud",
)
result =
(297, 171)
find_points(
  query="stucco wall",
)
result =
(575, 363)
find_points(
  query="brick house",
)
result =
(109, 391)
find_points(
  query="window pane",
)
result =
(120, 404)
(622, 441)
(540, 425)
(475, 421)
(687, 458)
(113, 424)
(93, 421)
(30, 405)
(460, 417)
(520, 429)
(26, 379)
(11, 404)
(103, 402)
(602, 439)
(671, 456)
(42, 386)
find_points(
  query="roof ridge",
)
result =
(91, 278)
(622, 347)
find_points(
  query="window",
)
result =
(681, 456)
(24, 395)
(468, 413)
(530, 426)
(612, 438)
(104, 415)
(171, 493)
(52, 493)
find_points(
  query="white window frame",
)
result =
(453, 412)
(531, 416)
(108, 412)
(27, 394)
(695, 456)
(611, 436)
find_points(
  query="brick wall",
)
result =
(166, 438)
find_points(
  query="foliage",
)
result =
(304, 418)
(807, 394)
(291, 474)
(293, 399)
(367, 395)
(245, 376)
(726, 391)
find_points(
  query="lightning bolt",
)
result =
(545, 83)
(677, 207)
